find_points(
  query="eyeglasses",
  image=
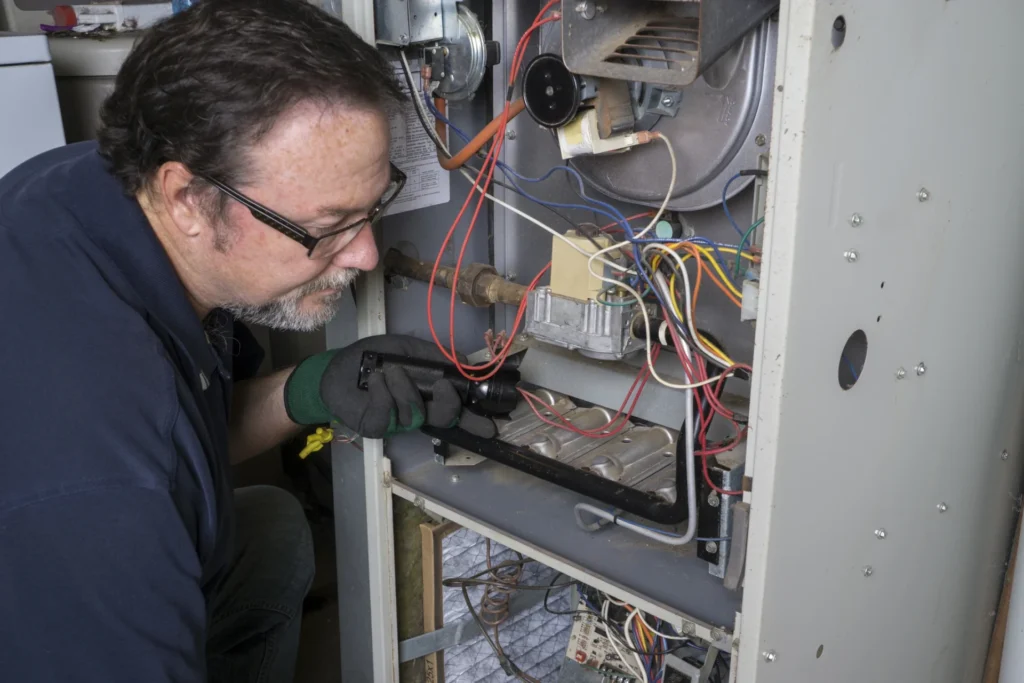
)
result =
(319, 246)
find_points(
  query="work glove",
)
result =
(324, 387)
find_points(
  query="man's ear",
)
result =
(173, 181)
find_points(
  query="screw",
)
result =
(435, 442)
(403, 39)
(712, 548)
(769, 656)
(760, 140)
(868, 571)
(923, 195)
(1004, 455)
(880, 534)
(510, 134)
(385, 480)
(487, 355)
(850, 255)
(717, 634)
(942, 507)
(856, 219)
(689, 629)
(667, 101)
(524, 337)
(713, 500)
(586, 9)
(511, 276)
(419, 502)
(920, 369)
(901, 373)
(455, 479)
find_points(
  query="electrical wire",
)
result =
(725, 203)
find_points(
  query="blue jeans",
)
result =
(256, 615)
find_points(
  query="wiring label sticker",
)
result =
(414, 152)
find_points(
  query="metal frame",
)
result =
(880, 515)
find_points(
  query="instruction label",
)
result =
(413, 151)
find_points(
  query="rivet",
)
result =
(850, 255)
(711, 547)
(942, 507)
(920, 369)
(901, 373)
(1004, 455)
(856, 220)
(923, 195)
(880, 534)
(769, 656)
(868, 571)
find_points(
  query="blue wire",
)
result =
(849, 364)
(725, 203)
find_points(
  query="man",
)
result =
(124, 553)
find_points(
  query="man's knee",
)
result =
(274, 533)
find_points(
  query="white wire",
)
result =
(639, 615)
(667, 293)
(671, 186)
(612, 637)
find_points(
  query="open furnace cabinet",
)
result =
(881, 469)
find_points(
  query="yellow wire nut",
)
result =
(316, 441)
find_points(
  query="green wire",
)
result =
(739, 248)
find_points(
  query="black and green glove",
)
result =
(323, 387)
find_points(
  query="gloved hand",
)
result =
(323, 387)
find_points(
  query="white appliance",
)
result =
(29, 112)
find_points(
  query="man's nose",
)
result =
(360, 253)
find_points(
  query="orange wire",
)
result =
(698, 257)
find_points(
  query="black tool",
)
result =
(494, 396)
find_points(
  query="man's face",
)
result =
(322, 168)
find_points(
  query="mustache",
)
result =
(339, 279)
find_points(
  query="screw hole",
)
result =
(548, 413)
(851, 361)
(878, 319)
(882, 286)
(838, 32)
(668, 454)
(821, 648)
(627, 440)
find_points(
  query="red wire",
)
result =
(613, 227)
(488, 168)
(599, 432)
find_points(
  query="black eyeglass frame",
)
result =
(296, 231)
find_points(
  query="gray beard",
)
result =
(285, 313)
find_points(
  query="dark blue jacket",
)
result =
(115, 500)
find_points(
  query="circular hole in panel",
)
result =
(851, 360)
(838, 31)
(821, 648)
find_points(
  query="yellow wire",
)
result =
(675, 307)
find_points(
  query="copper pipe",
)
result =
(477, 143)
(479, 284)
